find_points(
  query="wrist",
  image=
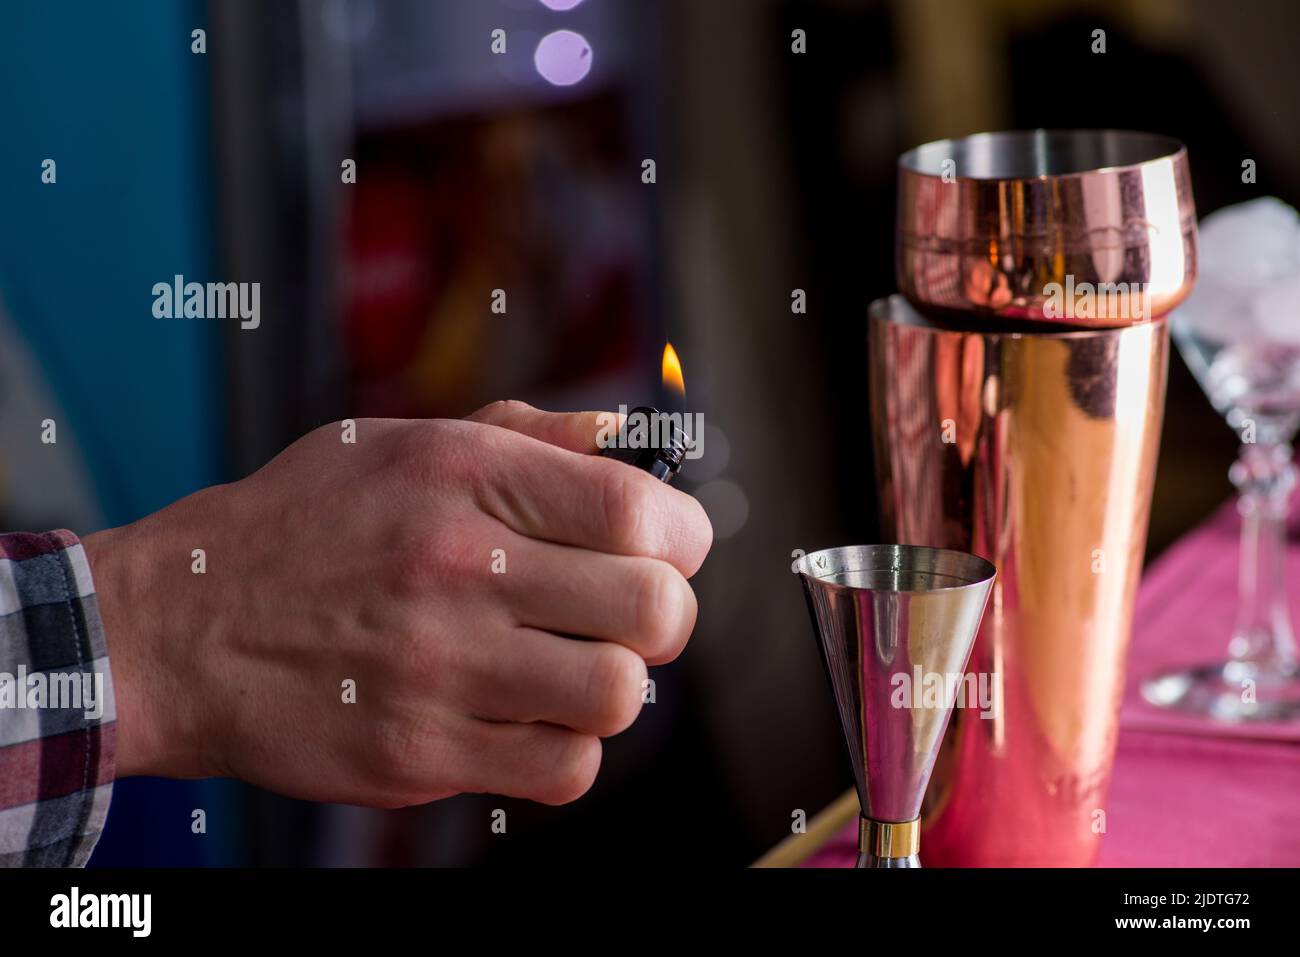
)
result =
(128, 593)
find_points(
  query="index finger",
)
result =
(575, 431)
(593, 502)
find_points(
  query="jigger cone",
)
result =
(895, 624)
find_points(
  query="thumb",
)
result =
(575, 431)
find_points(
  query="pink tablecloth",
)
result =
(1184, 793)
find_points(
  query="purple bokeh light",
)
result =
(563, 58)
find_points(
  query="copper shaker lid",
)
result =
(1085, 228)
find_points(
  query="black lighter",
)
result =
(656, 444)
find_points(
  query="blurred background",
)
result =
(523, 170)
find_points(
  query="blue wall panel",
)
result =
(114, 95)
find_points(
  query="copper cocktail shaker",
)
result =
(1017, 392)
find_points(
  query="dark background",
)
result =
(774, 172)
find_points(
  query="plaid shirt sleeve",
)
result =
(57, 717)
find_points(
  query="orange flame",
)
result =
(673, 370)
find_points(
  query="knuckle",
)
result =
(414, 456)
(614, 688)
(432, 454)
(490, 411)
(704, 529)
(512, 407)
(627, 500)
(449, 563)
(575, 772)
(665, 614)
(692, 536)
(406, 751)
(500, 410)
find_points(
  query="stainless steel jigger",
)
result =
(895, 624)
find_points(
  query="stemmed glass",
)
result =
(1252, 376)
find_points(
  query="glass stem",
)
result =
(1264, 476)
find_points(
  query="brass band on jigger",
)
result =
(889, 838)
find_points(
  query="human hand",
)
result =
(377, 562)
